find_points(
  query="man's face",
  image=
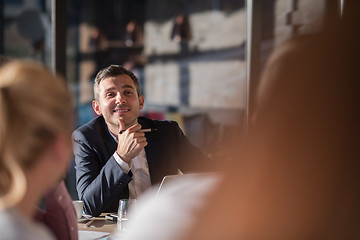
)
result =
(118, 99)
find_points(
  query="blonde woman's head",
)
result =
(35, 108)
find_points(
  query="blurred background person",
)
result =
(133, 34)
(181, 30)
(35, 149)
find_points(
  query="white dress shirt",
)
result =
(140, 169)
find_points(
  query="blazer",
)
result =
(100, 181)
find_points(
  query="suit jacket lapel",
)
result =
(152, 152)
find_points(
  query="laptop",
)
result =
(167, 179)
(163, 185)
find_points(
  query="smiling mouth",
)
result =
(121, 110)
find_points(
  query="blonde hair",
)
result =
(35, 106)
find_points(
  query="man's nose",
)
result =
(120, 98)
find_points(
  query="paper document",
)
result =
(92, 235)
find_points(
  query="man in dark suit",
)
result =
(119, 154)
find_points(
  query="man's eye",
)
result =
(110, 94)
(128, 92)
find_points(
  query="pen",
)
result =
(148, 130)
(88, 223)
(141, 130)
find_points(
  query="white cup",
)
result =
(124, 206)
(78, 208)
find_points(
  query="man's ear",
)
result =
(96, 107)
(141, 100)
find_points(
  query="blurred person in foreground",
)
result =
(35, 149)
(298, 177)
(115, 159)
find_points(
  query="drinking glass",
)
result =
(78, 208)
(124, 206)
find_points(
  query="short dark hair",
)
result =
(112, 71)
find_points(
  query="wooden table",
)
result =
(100, 224)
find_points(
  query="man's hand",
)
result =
(131, 141)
